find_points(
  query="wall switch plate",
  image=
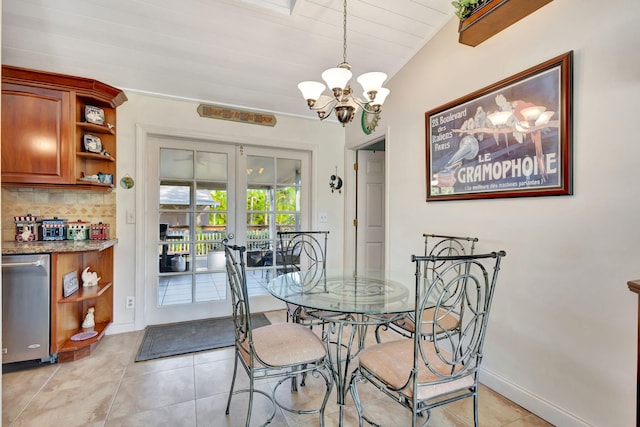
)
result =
(131, 217)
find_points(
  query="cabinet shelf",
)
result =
(89, 184)
(95, 156)
(86, 293)
(74, 350)
(92, 127)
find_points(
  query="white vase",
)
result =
(178, 263)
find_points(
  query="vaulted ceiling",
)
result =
(240, 53)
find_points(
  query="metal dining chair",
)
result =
(274, 351)
(304, 252)
(423, 374)
(434, 245)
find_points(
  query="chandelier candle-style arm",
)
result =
(344, 103)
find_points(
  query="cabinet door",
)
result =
(36, 135)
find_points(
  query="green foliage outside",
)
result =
(259, 207)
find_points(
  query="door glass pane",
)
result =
(175, 195)
(260, 170)
(288, 222)
(211, 166)
(288, 199)
(289, 171)
(211, 196)
(176, 163)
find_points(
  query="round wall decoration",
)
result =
(369, 121)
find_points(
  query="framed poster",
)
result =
(510, 139)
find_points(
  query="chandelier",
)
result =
(344, 102)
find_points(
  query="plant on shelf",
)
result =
(464, 8)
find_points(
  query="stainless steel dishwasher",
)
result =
(26, 289)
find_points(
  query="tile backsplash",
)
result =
(72, 205)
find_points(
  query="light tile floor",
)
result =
(109, 389)
(178, 288)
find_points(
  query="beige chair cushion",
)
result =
(284, 344)
(446, 322)
(392, 362)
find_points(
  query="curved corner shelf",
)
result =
(86, 293)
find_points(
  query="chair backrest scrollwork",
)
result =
(463, 288)
(236, 274)
(304, 252)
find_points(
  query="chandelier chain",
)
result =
(344, 32)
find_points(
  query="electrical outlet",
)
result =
(323, 217)
(131, 302)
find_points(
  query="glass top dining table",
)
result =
(345, 300)
(371, 293)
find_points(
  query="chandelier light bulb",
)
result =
(311, 90)
(372, 82)
(382, 94)
(337, 78)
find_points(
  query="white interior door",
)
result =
(371, 225)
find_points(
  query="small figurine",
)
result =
(89, 278)
(89, 320)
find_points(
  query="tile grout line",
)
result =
(34, 396)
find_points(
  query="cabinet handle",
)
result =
(22, 264)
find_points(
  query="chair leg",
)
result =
(233, 382)
(251, 393)
(356, 397)
(328, 381)
(475, 407)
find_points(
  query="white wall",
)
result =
(561, 339)
(178, 116)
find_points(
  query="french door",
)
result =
(200, 193)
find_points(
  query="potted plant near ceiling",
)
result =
(464, 8)
(481, 19)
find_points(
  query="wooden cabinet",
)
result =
(67, 314)
(43, 129)
(36, 135)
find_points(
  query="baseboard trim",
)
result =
(531, 402)
(120, 328)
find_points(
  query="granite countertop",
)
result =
(50, 246)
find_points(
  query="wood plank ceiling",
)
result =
(240, 53)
